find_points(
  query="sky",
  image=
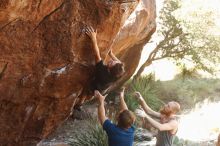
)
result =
(165, 69)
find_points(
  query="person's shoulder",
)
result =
(100, 63)
(101, 66)
(108, 122)
(174, 122)
(108, 125)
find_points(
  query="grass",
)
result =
(95, 136)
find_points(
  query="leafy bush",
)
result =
(187, 91)
(145, 85)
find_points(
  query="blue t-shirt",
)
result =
(118, 136)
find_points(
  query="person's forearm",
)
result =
(148, 110)
(154, 123)
(101, 112)
(123, 105)
(171, 125)
(96, 50)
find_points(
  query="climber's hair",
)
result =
(125, 119)
(117, 70)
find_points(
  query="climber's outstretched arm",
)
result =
(101, 109)
(92, 34)
(123, 105)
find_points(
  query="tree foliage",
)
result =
(183, 40)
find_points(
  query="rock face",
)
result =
(46, 61)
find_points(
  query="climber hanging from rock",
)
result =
(105, 74)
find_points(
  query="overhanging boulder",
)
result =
(49, 58)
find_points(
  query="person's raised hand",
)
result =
(99, 96)
(91, 32)
(140, 112)
(138, 96)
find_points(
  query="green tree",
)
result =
(184, 40)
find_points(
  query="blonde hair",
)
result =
(176, 108)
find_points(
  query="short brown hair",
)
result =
(125, 119)
(117, 70)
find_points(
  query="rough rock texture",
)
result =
(46, 62)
